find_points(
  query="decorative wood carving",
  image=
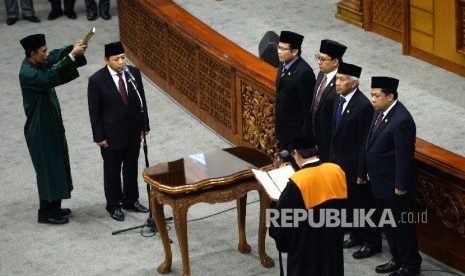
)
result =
(182, 65)
(180, 205)
(152, 45)
(388, 13)
(445, 200)
(258, 119)
(130, 12)
(216, 89)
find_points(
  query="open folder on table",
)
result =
(274, 181)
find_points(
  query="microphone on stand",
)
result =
(278, 157)
(132, 80)
(131, 76)
(282, 154)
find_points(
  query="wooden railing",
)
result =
(232, 91)
(226, 87)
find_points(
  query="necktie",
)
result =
(283, 71)
(122, 89)
(338, 117)
(377, 124)
(318, 95)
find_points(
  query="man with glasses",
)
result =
(329, 58)
(294, 82)
(117, 128)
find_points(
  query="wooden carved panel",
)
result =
(152, 48)
(388, 13)
(258, 119)
(128, 19)
(216, 89)
(445, 200)
(182, 65)
(461, 26)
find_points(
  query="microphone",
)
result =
(132, 80)
(278, 157)
(131, 76)
(282, 154)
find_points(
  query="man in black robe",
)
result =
(313, 247)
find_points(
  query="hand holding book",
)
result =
(274, 181)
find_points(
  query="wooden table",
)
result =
(212, 177)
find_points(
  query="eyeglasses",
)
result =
(320, 59)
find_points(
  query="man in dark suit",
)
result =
(322, 111)
(349, 133)
(117, 127)
(294, 82)
(391, 168)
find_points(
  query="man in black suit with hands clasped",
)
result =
(117, 127)
(294, 83)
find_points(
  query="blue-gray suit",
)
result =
(390, 153)
(390, 165)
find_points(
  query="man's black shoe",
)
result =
(388, 267)
(406, 272)
(71, 14)
(105, 15)
(32, 18)
(117, 214)
(54, 14)
(91, 16)
(349, 243)
(11, 21)
(54, 220)
(136, 206)
(64, 212)
(365, 252)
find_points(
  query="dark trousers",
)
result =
(68, 5)
(402, 239)
(49, 209)
(115, 162)
(103, 6)
(360, 197)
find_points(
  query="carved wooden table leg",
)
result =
(159, 215)
(243, 246)
(180, 222)
(264, 204)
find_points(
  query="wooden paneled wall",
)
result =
(384, 17)
(232, 91)
(431, 30)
